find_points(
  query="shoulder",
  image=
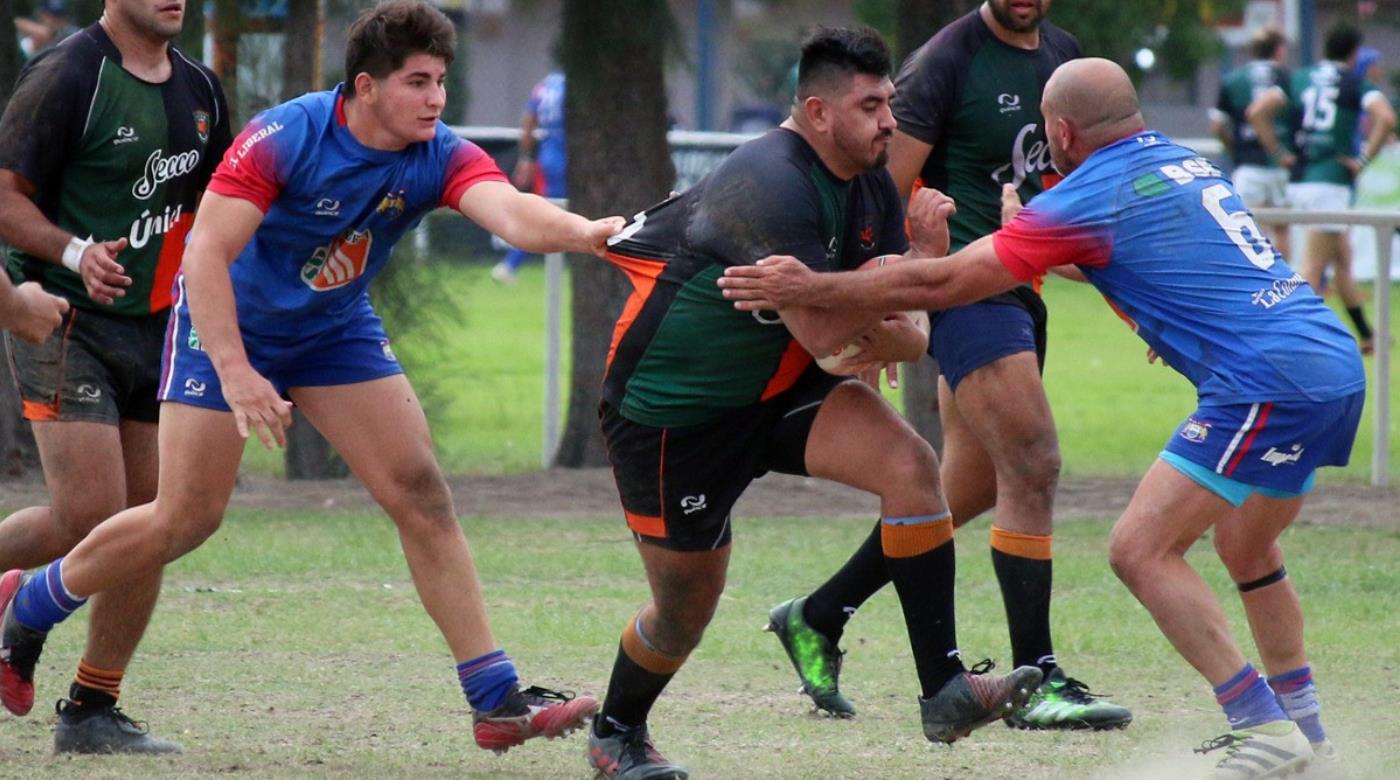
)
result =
(1060, 42)
(952, 47)
(201, 75)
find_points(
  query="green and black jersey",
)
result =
(1243, 86)
(1327, 101)
(976, 100)
(112, 156)
(681, 354)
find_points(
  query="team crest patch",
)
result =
(1195, 430)
(201, 125)
(867, 237)
(339, 264)
(393, 205)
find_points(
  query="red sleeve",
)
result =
(1030, 245)
(250, 169)
(469, 165)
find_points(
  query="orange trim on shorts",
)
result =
(37, 412)
(646, 656)
(642, 274)
(1037, 548)
(645, 525)
(109, 681)
(908, 541)
(794, 361)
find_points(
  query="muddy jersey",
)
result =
(681, 354)
(112, 156)
(976, 100)
(1241, 87)
(1327, 101)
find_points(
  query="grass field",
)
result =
(292, 645)
(483, 373)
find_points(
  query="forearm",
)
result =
(1381, 129)
(24, 226)
(536, 225)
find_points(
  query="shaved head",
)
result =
(1091, 102)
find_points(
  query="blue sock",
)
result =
(1247, 700)
(1298, 697)
(516, 258)
(487, 680)
(43, 601)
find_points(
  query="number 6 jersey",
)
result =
(1161, 232)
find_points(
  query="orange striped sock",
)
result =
(106, 681)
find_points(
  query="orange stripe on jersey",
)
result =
(172, 250)
(794, 361)
(642, 274)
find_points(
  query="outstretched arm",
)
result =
(533, 223)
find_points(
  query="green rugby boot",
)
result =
(816, 659)
(1065, 703)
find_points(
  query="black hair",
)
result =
(1342, 41)
(829, 53)
(389, 33)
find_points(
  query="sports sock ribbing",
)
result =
(43, 601)
(487, 680)
(1247, 700)
(1024, 566)
(919, 557)
(830, 606)
(94, 687)
(1298, 697)
(639, 675)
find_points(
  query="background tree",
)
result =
(619, 163)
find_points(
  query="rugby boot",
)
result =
(1326, 764)
(533, 712)
(629, 755)
(20, 647)
(104, 729)
(1274, 749)
(816, 659)
(975, 698)
(1063, 702)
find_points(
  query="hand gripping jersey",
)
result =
(1163, 235)
(1327, 101)
(1241, 87)
(334, 209)
(976, 100)
(112, 156)
(681, 354)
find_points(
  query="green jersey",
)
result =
(1327, 100)
(976, 101)
(1241, 87)
(111, 156)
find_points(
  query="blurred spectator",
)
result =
(50, 25)
(541, 165)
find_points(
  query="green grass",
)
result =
(292, 645)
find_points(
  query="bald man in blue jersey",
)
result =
(1163, 235)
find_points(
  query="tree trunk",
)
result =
(619, 163)
(918, 21)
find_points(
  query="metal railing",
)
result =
(1385, 224)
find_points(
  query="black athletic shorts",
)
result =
(95, 367)
(679, 484)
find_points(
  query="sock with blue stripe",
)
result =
(43, 602)
(1247, 700)
(487, 680)
(1298, 697)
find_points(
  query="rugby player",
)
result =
(302, 212)
(1162, 233)
(699, 400)
(968, 111)
(111, 135)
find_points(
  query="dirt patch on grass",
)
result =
(591, 493)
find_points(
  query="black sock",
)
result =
(1025, 589)
(632, 691)
(925, 586)
(87, 698)
(1358, 319)
(832, 604)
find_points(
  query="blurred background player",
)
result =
(1161, 232)
(120, 153)
(968, 111)
(1262, 181)
(699, 400)
(540, 166)
(51, 24)
(272, 299)
(1329, 100)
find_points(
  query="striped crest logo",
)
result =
(201, 125)
(339, 264)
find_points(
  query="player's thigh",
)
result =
(969, 477)
(83, 471)
(199, 453)
(1166, 515)
(1005, 407)
(378, 426)
(140, 443)
(858, 439)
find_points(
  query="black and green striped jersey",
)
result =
(112, 156)
(681, 354)
(1243, 86)
(976, 100)
(1327, 100)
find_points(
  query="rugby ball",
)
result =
(847, 361)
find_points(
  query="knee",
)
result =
(1035, 468)
(182, 530)
(1128, 558)
(912, 465)
(680, 623)
(1247, 559)
(419, 501)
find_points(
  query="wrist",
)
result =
(73, 253)
(1362, 159)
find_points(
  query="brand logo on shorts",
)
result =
(195, 388)
(125, 135)
(327, 207)
(1009, 103)
(1195, 430)
(193, 341)
(388, 350)
(339, 264)
(692, 504)
(87, 394)
(1275, 458)
(201, 126)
